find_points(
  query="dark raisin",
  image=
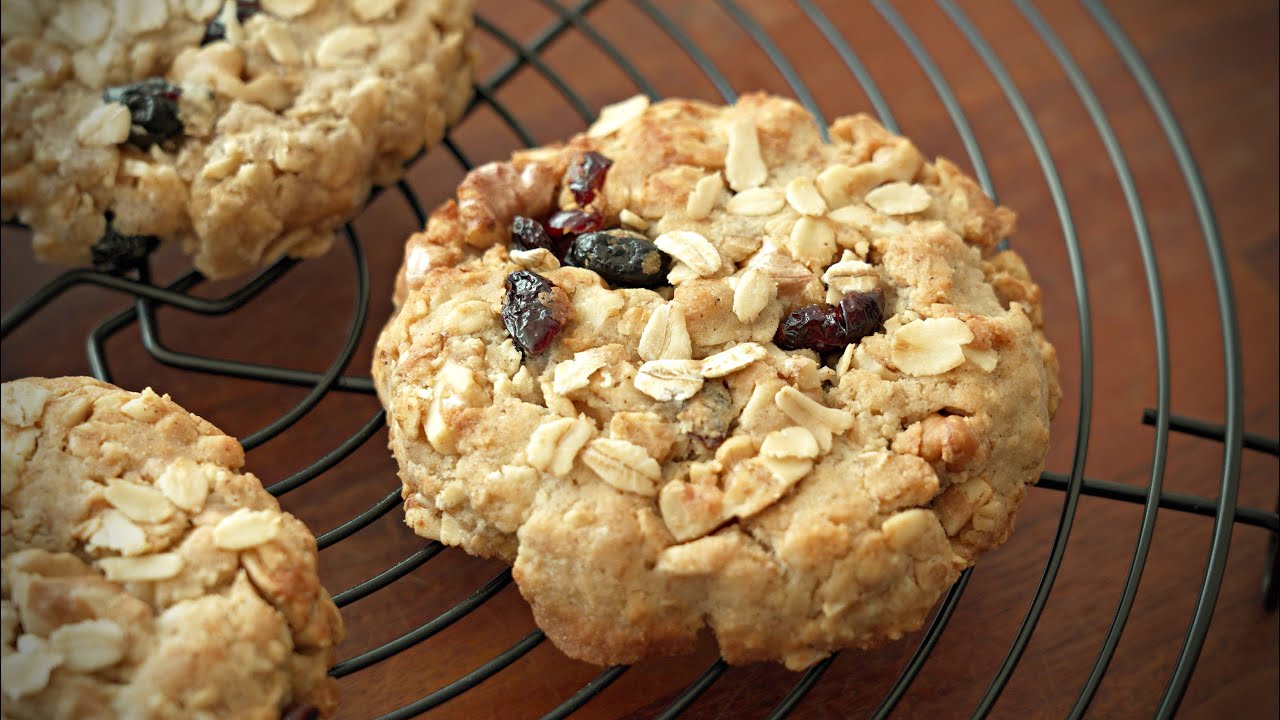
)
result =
(117, 254)
(586, 176)
(861, 314)
(573, 222)
(153, 105)
(300, 711)
(216, 31)
(528, 234)
(622, 257)
(534, 311)
(812, 327)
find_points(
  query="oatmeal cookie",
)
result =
(246, 130)
(146, 575)
(698, 368)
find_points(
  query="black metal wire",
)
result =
(1076, 260)
(359, 522)
(695, 53)
(771, 50)
(468, 681)
(945, 94)
(1156, 298)
(958, 118)
(575, 18)
(424, 631)
(168, 296)
(1234, 390)
(1213, 431)
(797, 693)
(331, 458)
(852, 62)
(694, 691)
(1224, 509)
(1181, 502)
(388, 576)
(588, 691)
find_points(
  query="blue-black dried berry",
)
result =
(117, 254)
(153, 108)
(216, 31)
(534, 311)
(622, 257)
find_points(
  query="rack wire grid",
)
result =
(533, 61)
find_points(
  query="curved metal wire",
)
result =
(628, 68)
(771, 50)
(1234, 390)
(945, 94)
(331, 458)
(470, 680)
(138, 289)
(588, 691)
(424, 631)
(946, 610)
(851, 61)
(1076, 261)
(694, 691)
(388, 576)
(359, 522)
(1156, 297)
(797, 693)
(1225, 511)
(695, 53)
(577, 103)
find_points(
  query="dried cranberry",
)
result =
(528, 234)
(586, 176)
(116, 254)
(216, 31)
(812, 327)
(153, 107)
(861, 314)
(622, 257)
(827, 328)
(534, 311)
(300, 711)
(573, 222)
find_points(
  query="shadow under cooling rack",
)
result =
(527, 56)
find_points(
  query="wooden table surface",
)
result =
(1217, 65)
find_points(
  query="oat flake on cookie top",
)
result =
(246, 131)
(740, 379)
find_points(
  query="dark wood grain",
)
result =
(1217, 65)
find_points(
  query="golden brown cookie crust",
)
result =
(144, 574)
(663, 466)
(288, 120)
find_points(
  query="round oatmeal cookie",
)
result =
(246, 130)
(698, 368)
(146, 575)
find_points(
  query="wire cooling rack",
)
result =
(531, 56)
